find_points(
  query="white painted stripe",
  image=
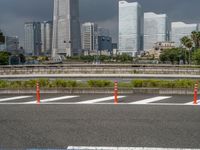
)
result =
(74, 103)
(150, 100)
(191, 103)
(122, 148)
(52, 99)
(100, 100)
(14, 98)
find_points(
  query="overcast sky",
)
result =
(13, 13)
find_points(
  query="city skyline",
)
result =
(12, 20)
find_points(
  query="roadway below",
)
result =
(91, 120)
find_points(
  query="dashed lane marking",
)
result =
(123, 148)
(100, 100)
(150, 100)
(14, 98)
(52, 99)
(191, 103)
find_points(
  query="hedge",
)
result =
(61, 83)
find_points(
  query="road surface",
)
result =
(61, 121)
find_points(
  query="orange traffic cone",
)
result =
(38, 92)
(195, 94)
(116, 92)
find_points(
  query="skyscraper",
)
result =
(66, 28)
(46, 37)
(131, 19)
(156, 29)
(32, 43)
(89, 36)
(181, 29)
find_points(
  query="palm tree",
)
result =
(187, 43)
(195, 36)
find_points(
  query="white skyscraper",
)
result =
(181, 29)
(131, 19)
(32, 42)
(66, 28)
(46, 37)
(156, 29)
(89, 36)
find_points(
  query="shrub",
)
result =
(100, 83)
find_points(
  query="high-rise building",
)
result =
(46, 37)
(32, 41)
(103, 32)
(10, 44)
(89, 34)
(181, 29)
(66, 28)
(156, 29)
(131, 19)
(104, 43)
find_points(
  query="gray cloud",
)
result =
(13, 13)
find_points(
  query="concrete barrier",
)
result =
(103, 91)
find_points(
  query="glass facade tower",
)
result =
(156, 29)
(66, 28)
(131, 19)
(32, 43)
(181, 29)
(46, 37)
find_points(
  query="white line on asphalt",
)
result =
(150, 100)
(191, 103)
(52, 99)
(100, 100)
(74, 103)
(122, 148)
(14, 98)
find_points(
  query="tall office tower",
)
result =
(156, 29)
(11, 44)
(131, 19)
(66, 28)
(103, 32)
(181, 29)
(89, 32)
(46, 37)
(32, 42)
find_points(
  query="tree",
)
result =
(2, 37)
(195, 36)
(4, 58)
(196, 57)
(188, 43)
(22, 58)
(173, 55)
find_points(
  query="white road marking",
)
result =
(74, 103)
(14, 98)
(150, 100)
(100, 100)
(192, 103)
(122, 148)
(52, 99)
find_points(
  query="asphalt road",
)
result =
(63, 125)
